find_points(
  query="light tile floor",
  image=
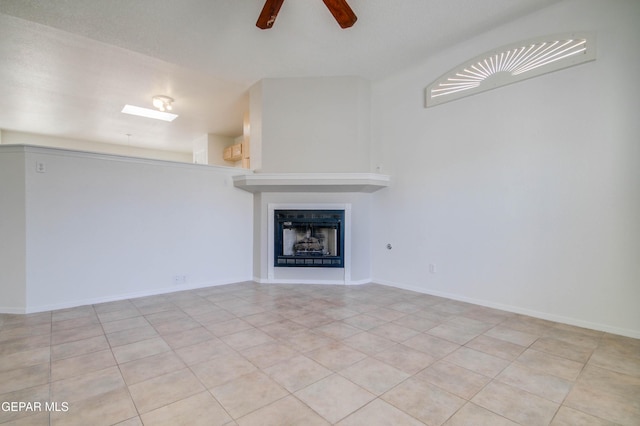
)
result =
(250, 354)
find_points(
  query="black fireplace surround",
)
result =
(309, 238)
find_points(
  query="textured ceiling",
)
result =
(68, 66)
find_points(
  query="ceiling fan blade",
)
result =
(269, 13)
(342, 12)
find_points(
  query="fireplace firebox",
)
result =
(309, 238)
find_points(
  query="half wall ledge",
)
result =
(311, 182)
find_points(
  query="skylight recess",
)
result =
(148, 113)
(511, 64)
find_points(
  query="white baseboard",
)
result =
(11, 310)
(124, 296)
(360, 282)
(306, 282)
(296, 281)
(518, 310)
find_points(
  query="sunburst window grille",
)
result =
(511, 64)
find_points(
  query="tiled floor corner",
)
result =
(250, 354)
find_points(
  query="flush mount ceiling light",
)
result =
(163, 103)
(511, 64)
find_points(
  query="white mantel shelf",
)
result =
(311, 182)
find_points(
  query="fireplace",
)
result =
(309, 238)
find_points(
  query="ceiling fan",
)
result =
(338, 8)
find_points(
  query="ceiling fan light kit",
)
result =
(340, 10)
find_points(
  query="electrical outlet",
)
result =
(41, 167)
(179, 279)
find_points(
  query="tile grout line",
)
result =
(119, 369)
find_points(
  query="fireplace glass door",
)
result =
(306, 238)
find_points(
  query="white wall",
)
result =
(20, 138)
(101, 227)
(311, 125)
(12, 231)
(526, 197)
(209, 149)
(255, 125)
